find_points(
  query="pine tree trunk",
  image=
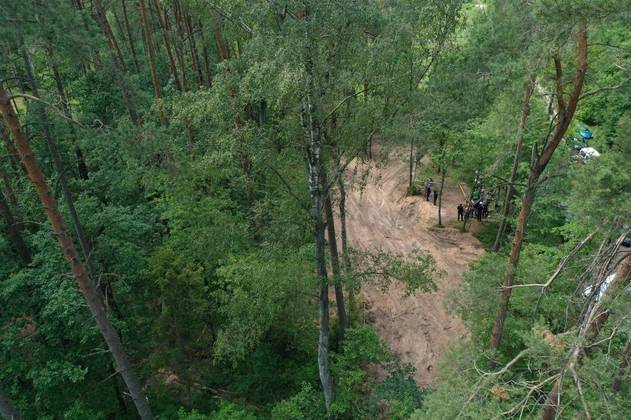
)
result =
(209, 77)
(167, 45)
(179, 44)
(81, 165)
(6, 179)
(335, 259)
(14, 232)
(7, 410)
(538, 165)
(151, 54)
(56, 158)
(130, 39)
(509, 277)
(120, 69)
(193, 49)
(13, 154)
(68, 249)
(530, 86)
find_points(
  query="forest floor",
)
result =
(418, 328)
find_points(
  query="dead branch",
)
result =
(487, 376)
(561, 266)
(35, 98)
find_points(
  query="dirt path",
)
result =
(417, 328)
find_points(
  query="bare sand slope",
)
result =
(418, 328)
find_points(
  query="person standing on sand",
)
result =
(460, 212)
(428, 188)
(435, 195)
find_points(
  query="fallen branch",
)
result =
(560, 268)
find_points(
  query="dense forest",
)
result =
(309, 209)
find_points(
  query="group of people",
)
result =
(431, 189)
(478, 203)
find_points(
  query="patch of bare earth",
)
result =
(417, 328)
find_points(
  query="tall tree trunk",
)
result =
(65, 106)
(13, 154)
(224, 50)
(525, 111)
(56, 158)
(179, 43)
(193, 49)
(311, 125)
(209, 77)
(538, 165)
(151, 54)
(7, 410)
(86, 285)
(411, 175)
(120, 69)
(343, 235)
(440, 196)
(130, 38)
(14, 232)
(335, 259)
(6, 179)
(101, 18)
(167, 44)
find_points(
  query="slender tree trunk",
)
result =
(179, 44)
(130, 39)
(86, 285)
(6, 179)
(345, 256)
(14, 232)
(13, 154)
(193, 49)
(7, 410)
(120, 69)
(224, 51)
(440, 196)
(313, 136)
(86, 248)
(335, 259)
(151, 54)
(167, 45)
(56, 158)
(525, 111)
(209, 77)
(109, 34)
(81, 165)
(411, 176)
(538, 165)
(624, 364)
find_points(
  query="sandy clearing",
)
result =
(417, 328)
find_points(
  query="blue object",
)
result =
(586, 134)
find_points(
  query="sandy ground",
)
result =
(417, 328)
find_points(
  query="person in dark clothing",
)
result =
(428, 189)
(460, 212)
(435, 195)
